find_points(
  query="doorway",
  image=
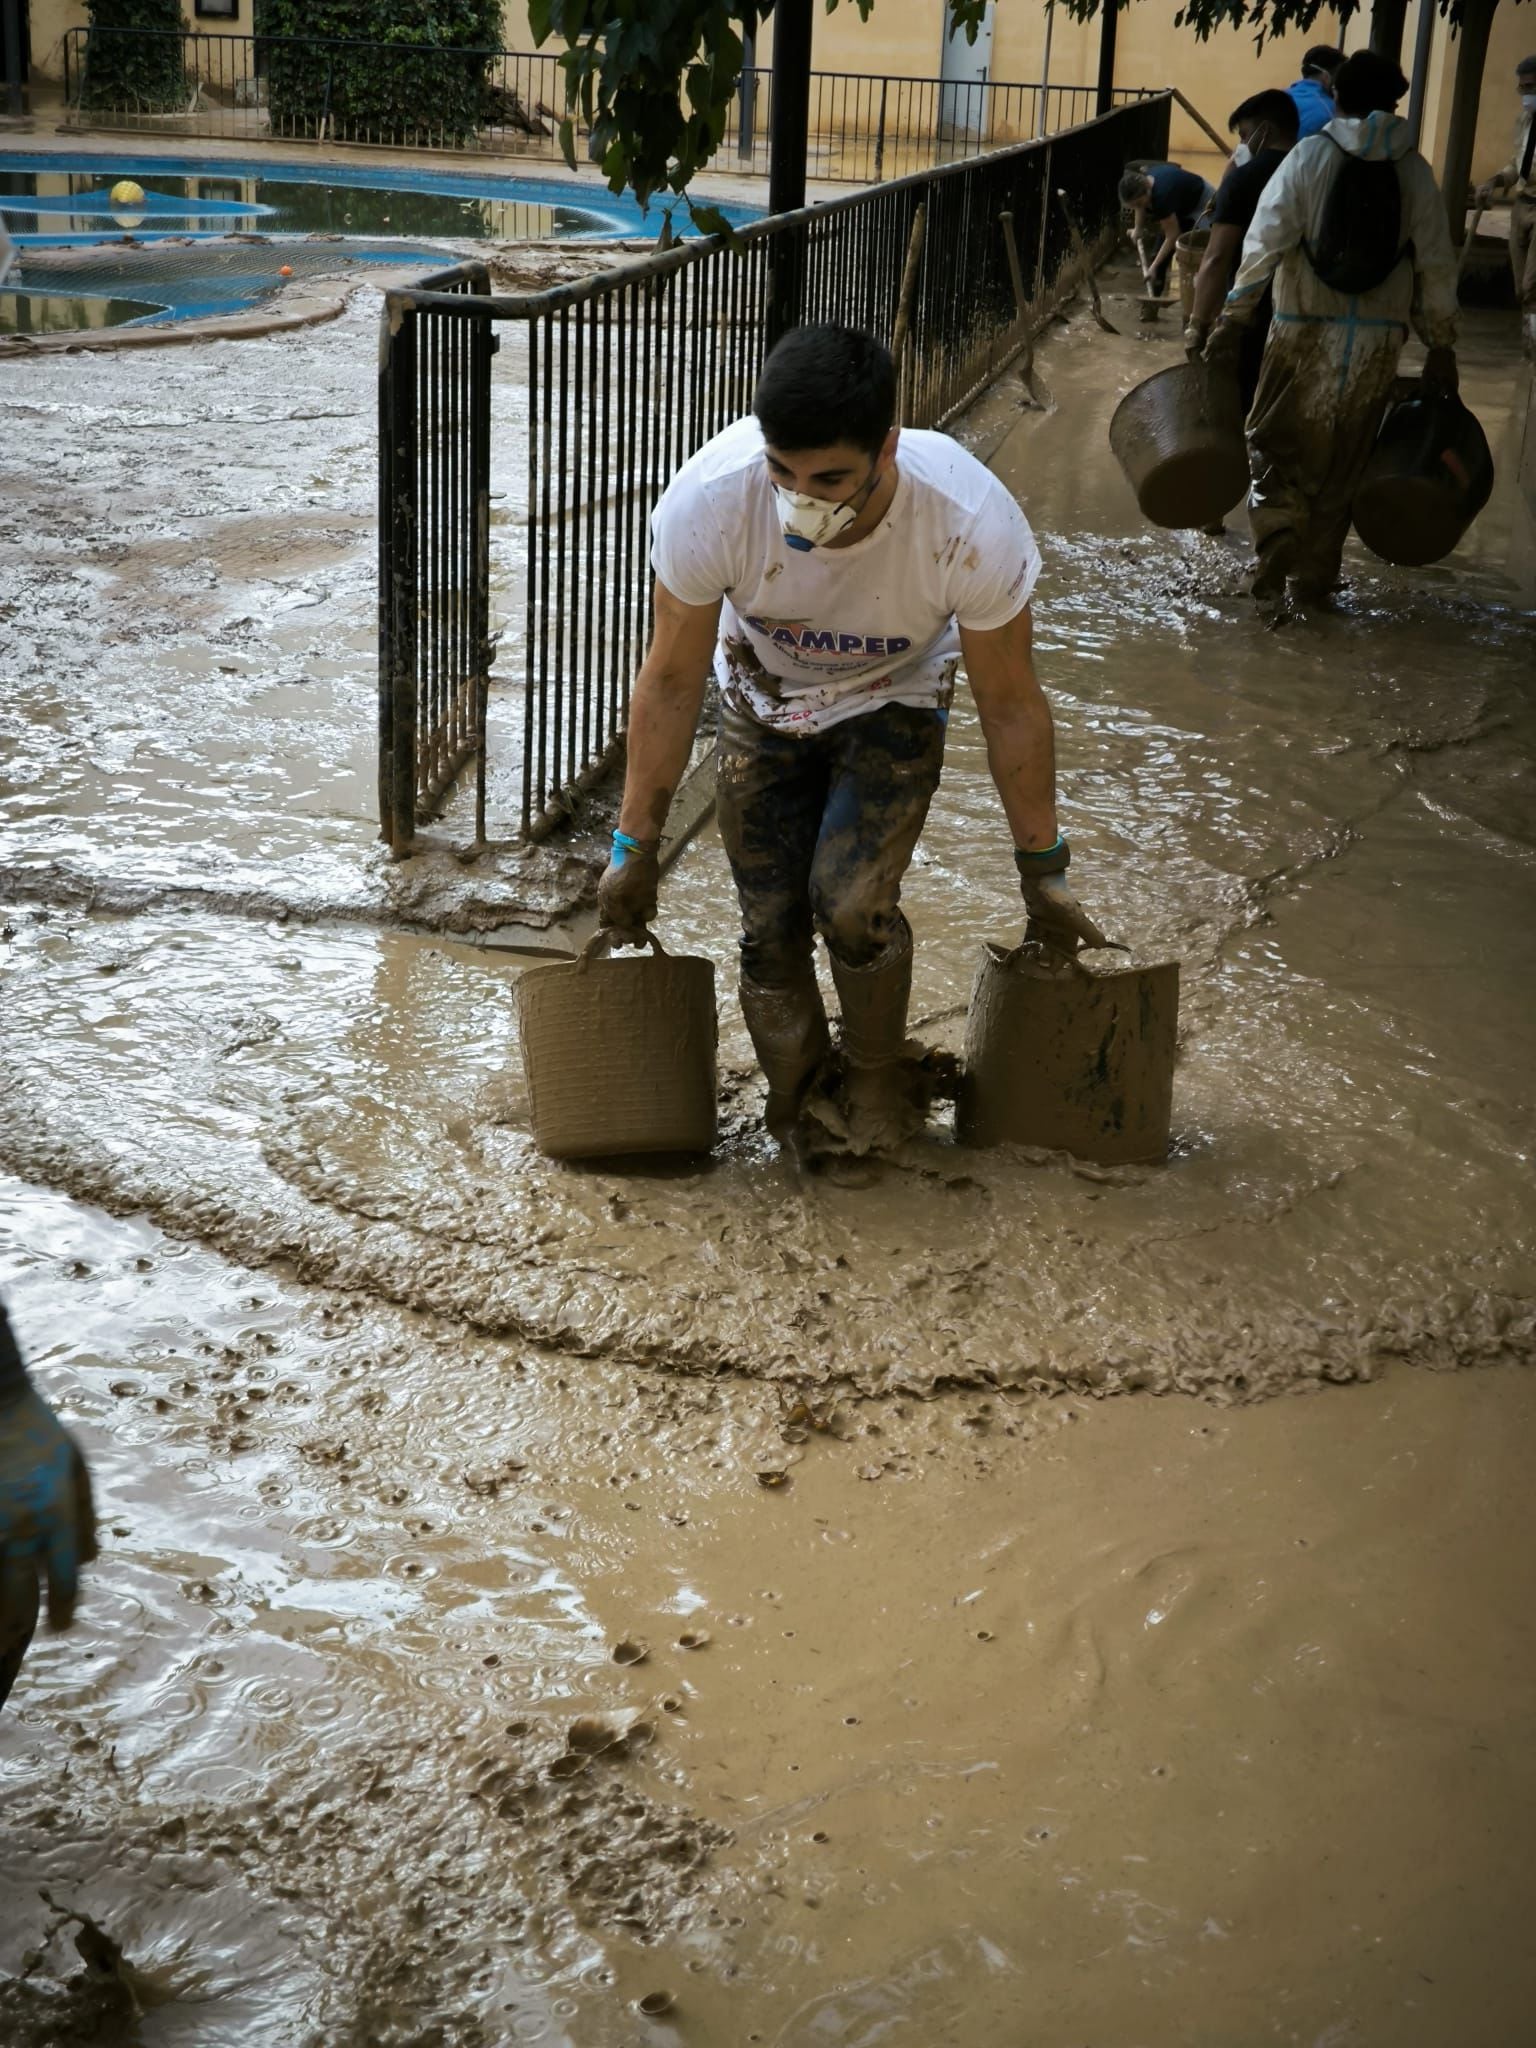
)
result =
(963, 70)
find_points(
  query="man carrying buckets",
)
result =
(835, 571)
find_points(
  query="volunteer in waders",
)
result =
(1517, 183)
(834, 571)
(1353, 234)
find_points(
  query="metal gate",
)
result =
(619, 379)
(434, 550)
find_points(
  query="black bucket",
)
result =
(1428, 477)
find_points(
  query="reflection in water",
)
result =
(79, 203)
(58, 312)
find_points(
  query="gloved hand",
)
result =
(47, 1518)
(1221, 351)
(626, 894)
(1195, 338)
(1440, 372)
(1056, 918)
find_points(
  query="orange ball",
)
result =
(286, 271)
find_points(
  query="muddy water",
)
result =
(1023, 1715)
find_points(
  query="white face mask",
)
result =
(1528, 102)
(1241, 155)
(811, 522)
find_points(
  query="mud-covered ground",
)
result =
(953, 1702)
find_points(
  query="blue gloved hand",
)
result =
(47, 1516)
(626, 894)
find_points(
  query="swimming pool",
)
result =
(227, 225)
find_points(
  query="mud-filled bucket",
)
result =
(1189, 254)
(1427, 478)
(620, 1054)
(1179, 439)
(1068, 1057)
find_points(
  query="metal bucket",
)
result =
(1428, 477)
(1179, 439)
(620, 1054)
(1070, 1058)
(1189, 254)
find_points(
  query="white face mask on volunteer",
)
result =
(811, 522)
(1528, 102)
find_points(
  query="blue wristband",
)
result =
(624, 846)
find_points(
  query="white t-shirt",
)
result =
(808, 639)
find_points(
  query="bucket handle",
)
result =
(606, 936)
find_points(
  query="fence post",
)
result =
(398, 618)
(885, 86)
(10, 10)
(483, 346)
(1045, 221)
(746, 111)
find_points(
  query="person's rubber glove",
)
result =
(1195, 338)
(1440, 373)
(1221, 351)
(47, 1517)
(626, 894)
(1056, 918)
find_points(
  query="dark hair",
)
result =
(1368, 84)
(1321, 57)
(824, 384)
(1132, 187)
(1276, 109)
(1525, 67)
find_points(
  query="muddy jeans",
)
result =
(819, 829)
(1313, 424)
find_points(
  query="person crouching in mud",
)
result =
(1353, 233)
(835, 570)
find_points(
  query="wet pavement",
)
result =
(975, 1707)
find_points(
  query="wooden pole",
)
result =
(903, 332)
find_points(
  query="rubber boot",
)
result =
(874, 1001)
(788, 1029)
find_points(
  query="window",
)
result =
(217, 10)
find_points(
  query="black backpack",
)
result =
(1359, 238)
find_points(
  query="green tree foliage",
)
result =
(134, 72)
(414, 65)
(653, 80)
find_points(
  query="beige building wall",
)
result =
(48, 21)
(51, 18)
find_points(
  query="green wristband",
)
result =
(1046, 860)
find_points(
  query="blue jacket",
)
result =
(1315, 106)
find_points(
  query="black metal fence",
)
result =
(864, 127)
(619, 378)
(236, 88)
(434, 555)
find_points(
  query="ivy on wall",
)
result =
(143, 73)
(436, 77)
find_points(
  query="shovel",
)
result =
(1069, 1058)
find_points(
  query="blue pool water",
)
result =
(170, 256)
